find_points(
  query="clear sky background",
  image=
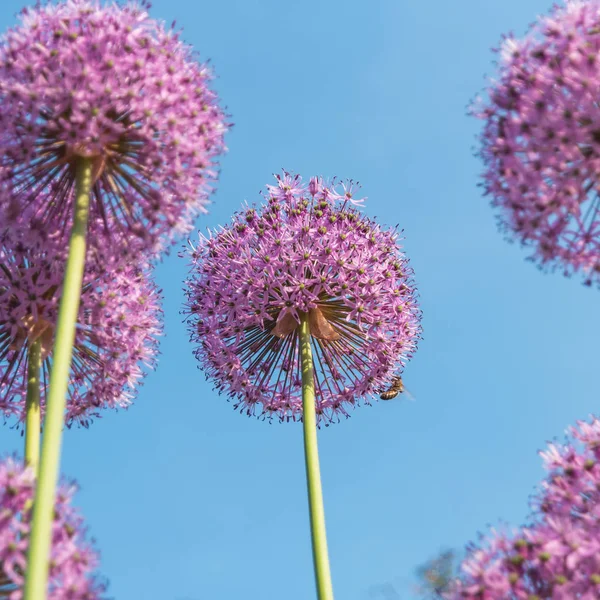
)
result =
(189, 500)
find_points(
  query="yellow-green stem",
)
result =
(36, 578)
(32, 405)
(313, 472)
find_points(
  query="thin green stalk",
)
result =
(36, 577)
(32, 405)
(313, 472)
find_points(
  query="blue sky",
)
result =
(189, 500)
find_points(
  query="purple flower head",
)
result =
(306, 251)
(541, 139)
(73, 559)
(557, 557)
(78, 79)
(116, 337)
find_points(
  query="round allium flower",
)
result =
(116, 338)
(78, 79)
(309, 251)
(541, 139)
(73, 559)
(558, 556)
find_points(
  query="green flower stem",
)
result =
(32, 406)
(313, 473)
(43, 508)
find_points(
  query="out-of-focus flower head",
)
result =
(307, 250)
(435, 577)
(541, 139)
(119, 321)
(79, 79)
(556, 557)
(73, 560)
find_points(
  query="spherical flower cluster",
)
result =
(541, 139)
(78, 79)
(73, 560)
(307, 251)
(557, 557)
(116, 337)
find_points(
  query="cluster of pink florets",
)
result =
(116, 339)
(81, 79)
(541, 140)
(557, 557)
(73, 560)
(307, 249)
(99, 102)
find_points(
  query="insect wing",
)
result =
(408, 396)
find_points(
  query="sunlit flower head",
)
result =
(116, 339)
(558, 555)
(73, 560)
(307, 250)
(81, 79)
(541, 140)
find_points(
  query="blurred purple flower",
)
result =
(557, 557)
(304, 251)
(73, 560)
(435, 577)
(541, 139)
(108, 82)
(116, 338)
